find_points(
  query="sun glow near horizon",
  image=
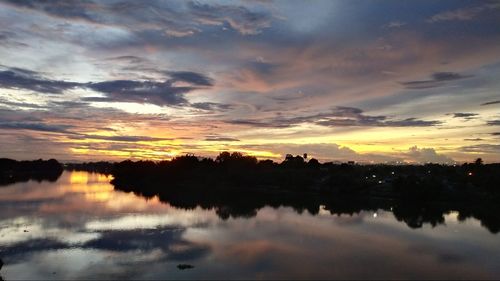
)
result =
(263, 78)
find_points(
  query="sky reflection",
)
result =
(340, 80)
(79, 227)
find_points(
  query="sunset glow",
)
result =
(369, 81)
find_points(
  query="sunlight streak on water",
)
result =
(80, 227)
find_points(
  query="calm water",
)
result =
(80, 227)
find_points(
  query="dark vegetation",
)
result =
(234, 171)
(236, 185)
(92, 167)
(12, 171)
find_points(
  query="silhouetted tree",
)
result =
(478, 162)
(314, 163)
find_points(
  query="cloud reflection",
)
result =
(71, 233)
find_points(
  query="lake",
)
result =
(80, 227)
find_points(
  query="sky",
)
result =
(369, 81)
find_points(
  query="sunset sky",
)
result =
(370, 81)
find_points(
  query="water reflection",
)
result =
(80, 227)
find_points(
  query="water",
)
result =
(79, 227)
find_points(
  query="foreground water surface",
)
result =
(79, 227)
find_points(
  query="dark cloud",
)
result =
(10, 115)
(97, 99)
(9, 39)
(237, 17)
(3, 36)
(482, 148)
(493, 123)
(153, 15)
(125, 138)
(159, 93)
(212, 106)
(341, 116)
(473, 139)
(127, 59)
(411, 122)
(259, 124)
(34, 127)
(13, 120)
(219, 138)
(491, 102)
(154, 92)
(191, 77)
(59, 8)
(495, 134)
(71, 104)
(16, 78)
(464, 115)
(445, 76)
(437, 79)
(20, 104)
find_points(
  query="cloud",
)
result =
(426, 155)
(16, 252)
(16, 104)
(159, 93)
(185, 20)
(438, 79)
(166, 239)
(340, 116)
(94, 118)
(191, 77)
(493, 123)
(474, 139)
(286, 73)
(59, 8)
(410, 122)
(238, 17)
(127, 59)
(8, 39)
(167, 243)
(491, 102)
(212, 106)
(336, 152)
(463, 14)
(320, 151)
(394, 24)
(482, 148)
(465, 115)
(219, 138)
(4, 36)
(259, 124)
(125, 138)
(34, 127)
(153, 92)
(17, 78)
